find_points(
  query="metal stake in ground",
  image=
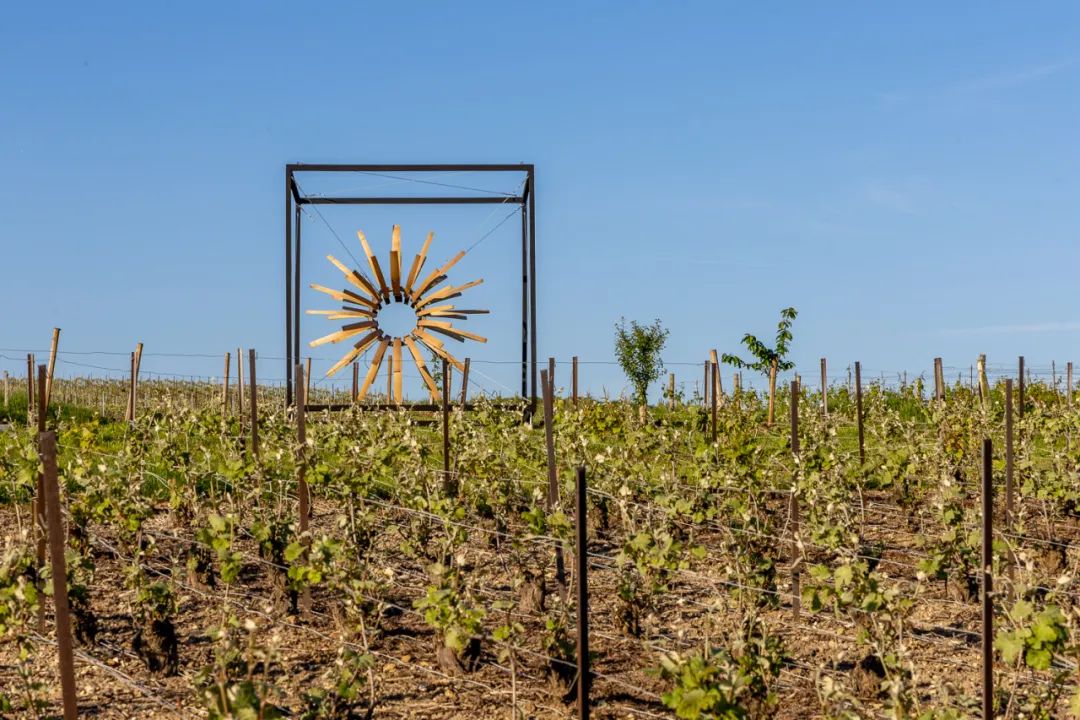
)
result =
(824, 390)
(793, 507)
(1020, 390)
(225, 389)
(859, 412)
(448, 482)
(582, 555)
(47, 443)
(987, 581)
(39, 506)
(254, 403)
(573, 379)
(553, 475)
(303, 494)
(1008, 453)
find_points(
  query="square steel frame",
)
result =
(295, 199)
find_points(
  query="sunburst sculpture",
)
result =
(361, 308)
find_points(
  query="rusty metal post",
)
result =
(1020, 390)
(859, 411)
(303, 493)
(47, 444)
(130, 414)
(987, 581)
(29, 390)
(1068, 383)
(824, 389)
(705, 385)
(1008, 453)
(582, 556)
(448, 482)
(573, 381)
(240, 388)
(793, 508)
(553, 475)
(225, 388)
(355, 381)
(38, 506)
(254, 403)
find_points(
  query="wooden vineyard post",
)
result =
(712, 401)
(355, 381)
(1020, 391)
(939, 380)
(573, 379)
(671, 389)
(129, 416)
(465, 384)
(448, 481)
(47, 446)
(225, 388)
(793, 508)
(1053, 377)
(307, 380)
(7, 390)
(859, 411)
(824, 389)
(1009, 492)
(52, 365)
(240, 388)
(254, 403)
(705, 386)
(987, 581)
(303, 493)
(984, 384)
(551, 376)
(1068, 384)
(718, 388)
(29, 390)
(553, 475)
(581, 521)
(136, 362)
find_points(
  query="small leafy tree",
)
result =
(638, 349)
(768, 360)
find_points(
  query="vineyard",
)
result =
(817, 567)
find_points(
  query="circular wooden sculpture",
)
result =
(362, 305)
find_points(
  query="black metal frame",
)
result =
(294, 199)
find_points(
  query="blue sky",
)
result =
(906, 176)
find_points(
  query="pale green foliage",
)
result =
(638, 348)
(765, 356)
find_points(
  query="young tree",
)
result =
(638, 349)
(768, 360)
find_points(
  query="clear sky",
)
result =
(907, 176)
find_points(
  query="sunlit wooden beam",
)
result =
(422, 367)
(373, 371)
(375, 267)
(418, 264)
